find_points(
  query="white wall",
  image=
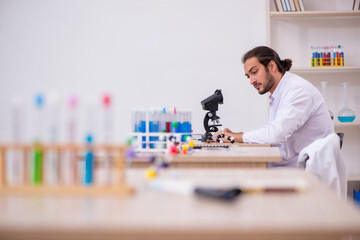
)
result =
(145, 52)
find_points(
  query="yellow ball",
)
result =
(191, 144)
(150, 173)
(185, 147)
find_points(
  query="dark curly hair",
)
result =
(264, 55)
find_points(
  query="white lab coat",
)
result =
(298, 116)
(324, 159)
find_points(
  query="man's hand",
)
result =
(228, 133)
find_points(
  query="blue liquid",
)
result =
(142, 128)
(346, 119)
(153, 127)
(185, 128)
(89, 166)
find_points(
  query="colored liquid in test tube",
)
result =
(142, 125)
(167, 119)
(176, 121)
(162, 123)
(108, 132)
(139, 125)
(89, 162)
(186, 124)
(89, 139)
(154, 119)
(37, 173)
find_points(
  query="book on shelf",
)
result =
(284, 4)
(301, 3)
(278, 5)
(292, 5)
(297, 6)
(356, 5)
(289, 5)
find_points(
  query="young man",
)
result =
(298, 114)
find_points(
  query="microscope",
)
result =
(211, 104)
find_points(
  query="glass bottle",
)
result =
(346, 114)
(323, 91)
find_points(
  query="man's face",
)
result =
(259, 76)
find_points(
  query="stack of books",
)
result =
(289, 5)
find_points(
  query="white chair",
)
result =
(324, 159)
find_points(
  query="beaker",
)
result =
(346, 114)
(323, 91)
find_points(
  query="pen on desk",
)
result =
(222, 193)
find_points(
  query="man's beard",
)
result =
(268, 84)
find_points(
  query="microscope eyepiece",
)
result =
(212, 102)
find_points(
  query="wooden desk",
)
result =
(232, 157)
(316, 213)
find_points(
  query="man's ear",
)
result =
(272, 66)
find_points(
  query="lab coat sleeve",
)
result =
(296, 108)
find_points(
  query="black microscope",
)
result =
(211, 104)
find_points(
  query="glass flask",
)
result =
(346, 114)
(323, 91)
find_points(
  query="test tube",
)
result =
(176, 121)
(89, 139)
(167, 119)
(108, 132)
(153, 126)
(15, 156)
(341, 55)
(142, 125)
(70, 163)
(335, 55)
(89, 162)
(187, 123)
(37, 173)
(51, 160)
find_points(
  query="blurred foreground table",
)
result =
(315, 213)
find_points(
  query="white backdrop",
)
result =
(146, 53)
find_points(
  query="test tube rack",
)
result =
(327, 56)
(156, 141)
(327, 62)
(118, 187)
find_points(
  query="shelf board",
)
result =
(324, 69)
(315, 14)
(353, 178)
(347, 124)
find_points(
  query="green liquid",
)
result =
(38, 162)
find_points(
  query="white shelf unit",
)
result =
(292, 34)
(353, 178)
(346, 124)
(315, 14)
(344, 69)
